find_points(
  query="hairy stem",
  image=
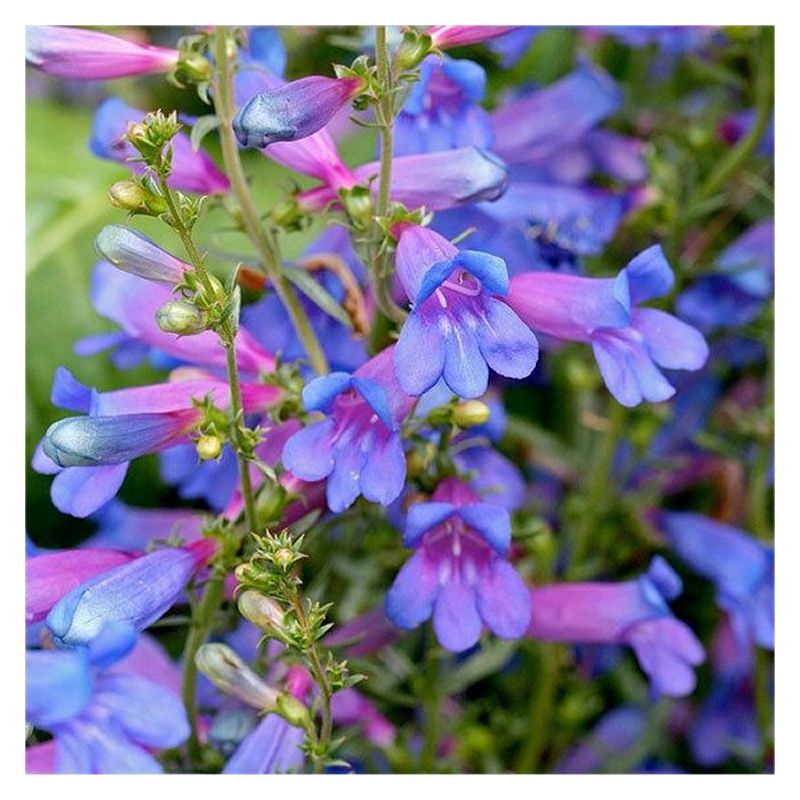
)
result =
(199, 630)
(263, 238)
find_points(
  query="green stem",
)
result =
(541, 709)
(432, 706)
(385, 117)
(320, 675)
(199, 630)
(739, 155)
(237, 413)
(597, 488)
(263, 238)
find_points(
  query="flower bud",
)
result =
(293, 711)
(181, 317)
(133, 197)
(414, 48)
(270, 504)
(262, 611)
(471, 414)
(193, 68)
(226, 670)
(208, 447)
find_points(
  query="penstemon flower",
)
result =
(458, 319)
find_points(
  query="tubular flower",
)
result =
(358, 446)
(91, 453)
(436, 181)
(445, 36)
(191, 170)
(132, 303)
(293, 111)
(458, 573)
(136, 593)
(741, 568)
(458, 319)
(102, 720)
(629, 343)
(48, 577)
(92, 55)
(133, 252)
(634, 612)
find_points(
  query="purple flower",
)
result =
(133, 252)
(458, 573)
(273, 746)
(634, 612)
(91, 453)
(136, 593)
(102, 721)
(132, 303)
(48, 577)
(444, 36)
(358, 446)
(128, 528)
(538, 125)
(733, 128)
(294, 110)
(742, 282)
(350, 707)
(192, 170)
(442, 110)
(458, 319)
(79, 53)
(261, 64)
(741, 568)
(629, 343)
(439, 180)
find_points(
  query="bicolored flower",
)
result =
(92, 55)
(445, 36)
(102, 720)
(741, 568)
(443, 110)
(741, 284)
(90, 454)
(136, 593)
(458, 573)
(458, 319)
(192, 170)
(438, 180)
(358, 446)
(132, 303)
(293, 111)
(635, 613)
(49, 576)
(629, 343)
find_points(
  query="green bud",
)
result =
(132, 196)
(193, 68)
(471, 413)
(284, 557)
(288, 215)
(414, 48)
(358, 204)
(293, 711)
(262, 611)
(270, 503)
(441, 415)
(208, 447)
(181, 317)
(226, 670)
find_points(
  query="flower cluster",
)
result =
(416, 378)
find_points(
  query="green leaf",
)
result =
(202, 127)
(318, 295)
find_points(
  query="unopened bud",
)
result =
(284, 557)
(270, 503)
(262, 611)
(226, 670)
(358, 204)
(131, 196)
(414, 48)
(288, 215)
(181, 317)
(441, 415)
(293, 711)
(193, 68)
(208, 447)
(471, 413)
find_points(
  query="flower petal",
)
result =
(504, 601)
(384, 475)
(309, 452)
(465, 370)
(506, 342)
(409, 601)
(671, 343)
(419, 354)
(455, 616)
